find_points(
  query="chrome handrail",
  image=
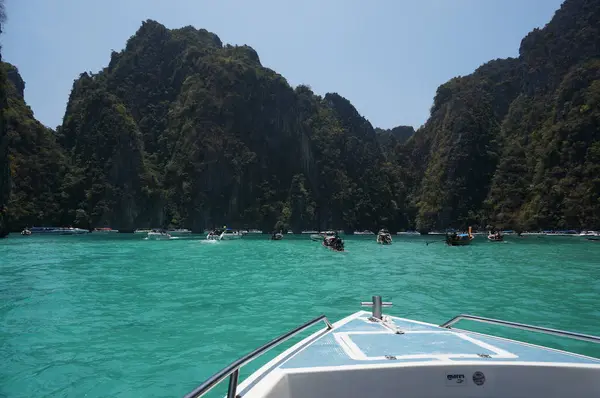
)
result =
(532, 328)
(233, 370)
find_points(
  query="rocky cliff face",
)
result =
(460, 145)
(4, 162)
(180, 130)
(548, 172)
(514, 144)
(4, 165)
(391, 137)
(212, 137)
(109, 182)
(37, 163)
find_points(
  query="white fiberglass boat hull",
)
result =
(158, 236)
(362, 358)
(231, 235)
(179, 232)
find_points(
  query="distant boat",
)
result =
(104, 231)
(58, 230)
(365, 232)
(589, 233)
(25, 232)
(231, 234)
(277, 236)
(334, 243)
(142, 231)
(158, 235)
(569, 232)
(318, 237)
(224, 234)
(455, 239)
(384, 237)
(495, 237)
(179, 232)
(215, 234)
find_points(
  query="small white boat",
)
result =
(277, 236)
(589, 233)
(224, 234)
(142, 231)
(365, 232)
(104, 231)
(231, 234)
(319, 237)
(25, 232)
(58, 230)
(384, 237)
(179, 232)
(495, 237)
(334, 243)
(158, 235)
(215, 234)
(74, 231)
(368, 354)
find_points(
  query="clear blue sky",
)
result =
(386, 56)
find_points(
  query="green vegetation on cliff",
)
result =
(37, 162)
(515, 144)
(4, 162)
(181, 130)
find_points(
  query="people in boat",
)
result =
(451, 237)
(334, 242)
(338, 244)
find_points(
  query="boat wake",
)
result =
(209, 242)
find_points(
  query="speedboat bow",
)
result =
(368, 354)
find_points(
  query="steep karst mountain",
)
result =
(181, 130)
(516, 143)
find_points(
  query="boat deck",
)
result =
(356, 340)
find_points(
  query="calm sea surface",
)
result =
(100, 316)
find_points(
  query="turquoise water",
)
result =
(119, 316)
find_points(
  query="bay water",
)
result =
(116, 315)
